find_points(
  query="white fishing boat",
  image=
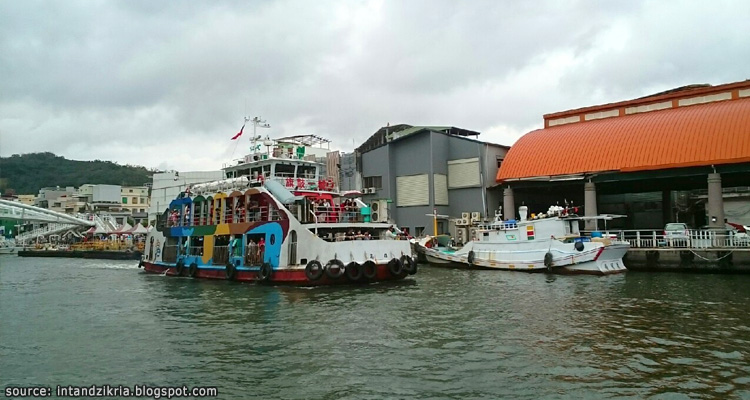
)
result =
(553, 243)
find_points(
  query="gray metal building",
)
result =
(407, 172)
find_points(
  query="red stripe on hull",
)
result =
(285, 276)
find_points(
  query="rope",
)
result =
(710, 260)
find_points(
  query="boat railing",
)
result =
(690, 239)
(195, 251)
(253, 254)
(253, 214)
(332, 214)
(221, 255)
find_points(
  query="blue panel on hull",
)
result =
(273, 250)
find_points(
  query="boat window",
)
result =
(306, 171)
(285, 170)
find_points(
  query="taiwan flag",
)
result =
(239, 133)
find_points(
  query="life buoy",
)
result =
(395, 267)
(334, 269)
(230, 271)
(179, 268)
(578, 246)
(410, 266)
(370, 269)
(470, 257)
(265, 272)
(313, 270)
(193, 270)
(548, 259)
(353, 271)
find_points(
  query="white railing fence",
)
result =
(692, 239)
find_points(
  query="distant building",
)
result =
(135, 202)
(121, 202)
(349, 177)
(52, 193)
(27, 199)
(410, 171)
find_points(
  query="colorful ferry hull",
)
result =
(259, 238)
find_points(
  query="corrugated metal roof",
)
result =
(706, 134)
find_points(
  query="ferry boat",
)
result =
(275, 219)
(550, 244)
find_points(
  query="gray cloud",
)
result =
(167, 83)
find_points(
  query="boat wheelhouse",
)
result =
(275, 218)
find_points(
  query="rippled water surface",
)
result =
(445, 334)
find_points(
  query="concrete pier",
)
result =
(689, 260)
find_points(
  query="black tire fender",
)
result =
(334, 269)
(193, 270)
(179, 268)
(230, 271)
(395, 267)
(353, 271)
(265, 272)
(410, 266)
(548, 259)
(370, 269)
(470, 257)
(313, 270)
(579, 246)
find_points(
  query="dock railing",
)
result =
(692, 239)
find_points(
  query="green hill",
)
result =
(27, 173)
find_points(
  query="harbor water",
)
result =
(442, 334)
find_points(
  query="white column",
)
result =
(715, 202)
(589, 204)
(509, 206)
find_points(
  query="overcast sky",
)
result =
(166, 84)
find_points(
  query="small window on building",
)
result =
(373, 181)
(124, 200)
(135, 200)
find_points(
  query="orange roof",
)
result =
(697, 135)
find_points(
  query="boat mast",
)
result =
(258, 122)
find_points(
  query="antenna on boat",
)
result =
(258, 122)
